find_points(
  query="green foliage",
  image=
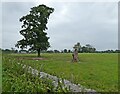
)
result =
(34, 25)
(98, 71)
(77, 46)
(65, 50)
(87, 48)
(17, 79)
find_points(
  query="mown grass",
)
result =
(95, 70)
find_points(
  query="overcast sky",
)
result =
(94, 23)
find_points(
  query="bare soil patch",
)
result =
(35, 58)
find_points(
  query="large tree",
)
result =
(33, 29)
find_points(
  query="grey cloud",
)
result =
(11, 13)
(91, 23)
(94, 23)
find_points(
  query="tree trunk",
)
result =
(39, 53)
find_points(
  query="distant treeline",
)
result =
(84, 50)
(70, 51)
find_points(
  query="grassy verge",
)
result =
(17, 79)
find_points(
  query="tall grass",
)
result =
(17, 79)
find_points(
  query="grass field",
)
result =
(97, 71)
(0, 71)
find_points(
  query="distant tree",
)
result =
(62, 51)
(88, 49)
(50, 51)
(117, 51)
(56, 51)
(77, 46)
(109, 51)
(6, 51)
(65, 50)
(93, 50)
(34, 25)
(23, 51)
(13, 50)
(69, 51)
(16, 51)
(88, 46)
(84, 49)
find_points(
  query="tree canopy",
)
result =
(77, 46)
(33, 29)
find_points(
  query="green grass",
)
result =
(17, 79)
(95, 70)
(0, 71)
